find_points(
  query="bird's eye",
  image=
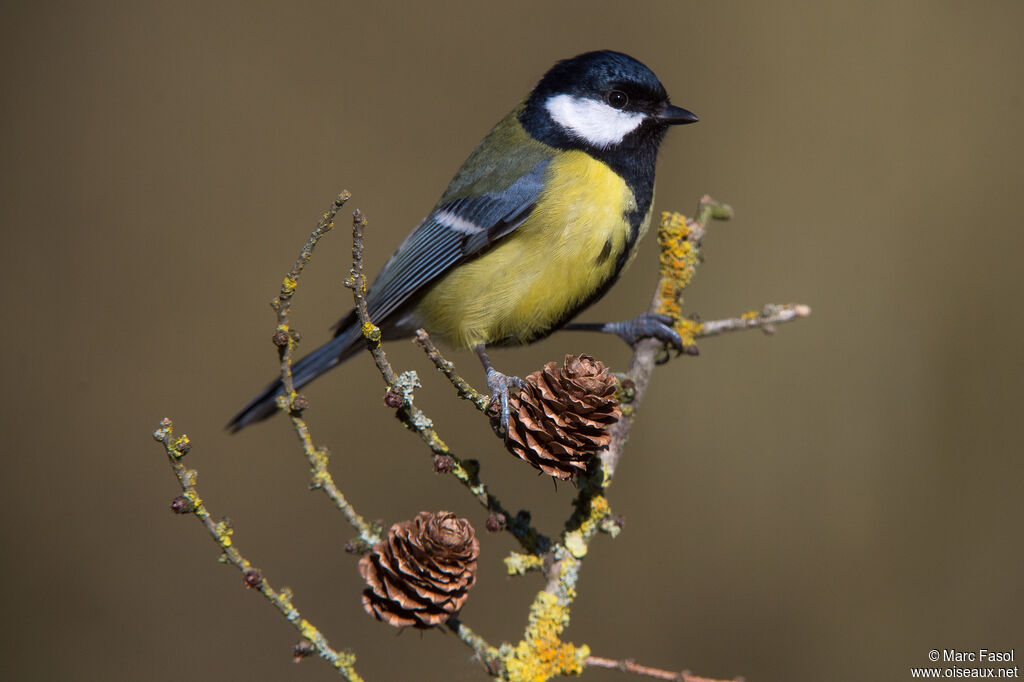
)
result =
(617, 99)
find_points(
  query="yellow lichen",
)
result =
(319, 458)
(182, 445)
(308, 630)
(542, 655)
(678, 262)
(193, 497)
(371, 332)
(288, 285)
(518, 564)
(750, 315)
(189, 477)
(598, 508)
(575, 543)
(567, 582)
(688, 330)
(224, 532)
(344, 661)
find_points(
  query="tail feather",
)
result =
(337, 350)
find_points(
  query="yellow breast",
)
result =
(552, 263)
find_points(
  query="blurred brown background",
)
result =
(826, 504)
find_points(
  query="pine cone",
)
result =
(420, 574)
(561, 417)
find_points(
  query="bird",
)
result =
(537, 224)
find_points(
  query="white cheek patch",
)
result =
(592, 120)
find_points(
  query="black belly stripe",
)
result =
(633, 160)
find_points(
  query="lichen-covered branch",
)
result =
(771, 315)
(487, 654)
(480, 400)
(286, 339)
(541, 653)
(221, 532)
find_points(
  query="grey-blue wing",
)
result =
(452, 233)
(458, 229)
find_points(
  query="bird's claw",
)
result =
(499, 385)
(647, 326)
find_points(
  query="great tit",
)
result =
(537, 225)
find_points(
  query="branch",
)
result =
(221, 532)
(630, 666)
(446, 367)
(488, 655)
(286, 339)
(282, 304)
(771, 315)
(540, 654)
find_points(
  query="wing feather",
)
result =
(452, 233)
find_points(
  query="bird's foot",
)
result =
(646, 326)
(499, 385)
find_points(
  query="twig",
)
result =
(359, 286)
(466, 471)
(221, 532)
(286, 339)
(630, 666)
(282, 304)
(488, 655)
(446, 367)
(771, 315)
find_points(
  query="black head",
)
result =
(605, 103)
